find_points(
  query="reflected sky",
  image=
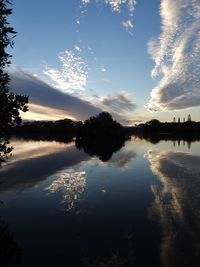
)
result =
(33, 162)
(177, 200)
(33, 149)
(123, 159)
(72, 185)
(65, 208)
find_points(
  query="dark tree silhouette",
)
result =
(154, 131)
(189, 118)
(10, 253)
(101, 136)
(100, 127)
(103, 149)
(10, 103)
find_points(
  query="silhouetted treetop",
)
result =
(101, 126)
(153, 122)
(189, 118)
(175, 129)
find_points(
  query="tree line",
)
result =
(154, 126)
(96, 127)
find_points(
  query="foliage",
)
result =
(100, 136)
(10, 104)
(101, 126)
(65, 126)
(175, 127)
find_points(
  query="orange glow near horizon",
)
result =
(38, 112)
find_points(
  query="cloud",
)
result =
(77, 48)
(103, 69)
(119, 103)
(39, 112)
(72, 77)
(52, 101)
(48, 103)
(176, 55)
(116, 6)
(128, 25)
(90, 50)
(85, 2)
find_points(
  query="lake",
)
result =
(62, 207)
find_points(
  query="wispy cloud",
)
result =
(176, 56)
(77, 48)
(46, 102)
(116, 6)
(85, 2)
(128, 25)
(72, 77)
(119, 103)
(103, 69)
(40, 112)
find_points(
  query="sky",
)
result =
(136, 59)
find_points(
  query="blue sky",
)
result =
(103, 55)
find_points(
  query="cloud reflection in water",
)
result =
(176, 204)
(72, 184)
(34, 162)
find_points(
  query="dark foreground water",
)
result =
(61, 207)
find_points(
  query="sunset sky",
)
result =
(136, 59)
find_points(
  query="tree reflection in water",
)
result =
(176, 204)
(5, 149)
(102, 148)
(10, 253)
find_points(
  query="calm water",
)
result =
(61, 207)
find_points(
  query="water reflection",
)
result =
(177, 140)
(178, 143)
(5, 150)
(72, 185)
(10, 253)
(108, 204)
(123, 159)
(177, 200)
(103, 149)
(33, 162)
